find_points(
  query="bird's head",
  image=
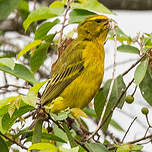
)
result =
(93, 27)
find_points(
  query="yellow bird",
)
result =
(78, 73)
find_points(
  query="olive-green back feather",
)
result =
(67, 68)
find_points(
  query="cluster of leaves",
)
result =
(13, 108)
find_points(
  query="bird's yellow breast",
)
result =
(81, 91)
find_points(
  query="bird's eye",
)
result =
(100, 20)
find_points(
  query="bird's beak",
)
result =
(112, 24)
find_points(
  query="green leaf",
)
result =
(7, 62)
(37, 132)
(37, 86)
(7, 100)
(121, 36)
(13, 105)
(29, 47)
(4, 110)
(3, 145)
(100, 98)
(128, 49)
(116, 125)
(9, 104)
(24, 8)
(20, 71)
(75, 149)
(44, 29)
(91, 5)
(61, 115)
(48, 136)
(96, 147)
(52, 137)
(141, 71)
(90, 112)
(150, 71)
(1, 126)
(78, 15)
(128, 148)
(7, 122)
(57, 4)
(38, 56)
(119, 32)
(41, 14)
(148, 42)
(60, 133)
(146, 87)
(43, 146)
(70, 137)
(24, 132)
(7, 6)
(31, 97)
(49, 38)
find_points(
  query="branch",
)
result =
(120, 63)
(27, 116)
(132, 66)
(63, 23)
(34, 6)
(133, 142)
(140, 139)
(111, 111)
(13, 141)
(59, 126)
(11, 25)
(117, 103)
(12, 85)
(128, 129)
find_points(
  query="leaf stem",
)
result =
(133, 65)
(128, 129)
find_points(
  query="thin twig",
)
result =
(119, 63)
(112, 137)
(128, 130)
(34, 6)
(116, 105)
(27, 116)
(110, 89)
(145, 142)
(13, 141)
(63, 23)
(12, 85)
(131, 116)
(134, 91)
(54, 121)
(148, 121)
(133, 65)
(146, 131)
(140, 139)
(5, 78)
(118, 102)
(134, 141)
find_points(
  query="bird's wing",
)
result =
(68, 67)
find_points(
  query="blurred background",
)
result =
(132, 16)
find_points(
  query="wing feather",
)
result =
(68, 67)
